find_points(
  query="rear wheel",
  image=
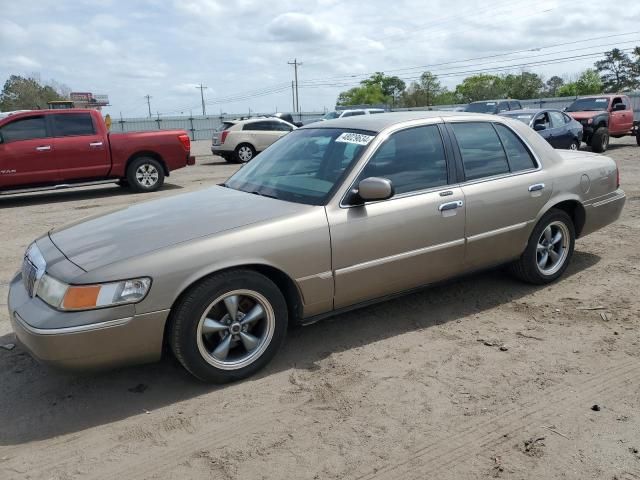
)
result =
(229, 326)
(548, 251)
(145, 174)
(244, 153)
(600, 140)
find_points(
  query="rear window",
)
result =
(225, 126)
(481, 150)
(73, 124)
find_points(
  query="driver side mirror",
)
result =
(538, 127)
(372, 189)
(619, 106)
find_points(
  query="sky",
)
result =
(240, 49)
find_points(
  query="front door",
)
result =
(504, 191)
(412, 239)
(26, 153)
(620, 117)
(80, 151)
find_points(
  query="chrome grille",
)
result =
(29, 276)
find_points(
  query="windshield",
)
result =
(523, 117)
(304, 166)
(330, 115)
(589, 105)
(482, 107)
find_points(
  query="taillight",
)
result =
(185, 140)
(223, 136)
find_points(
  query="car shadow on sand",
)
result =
(37, 403)
(74, 195)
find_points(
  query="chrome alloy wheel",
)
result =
(245, 153)
(574, 146)
(553, 248)
(235, 329)
(147, 175)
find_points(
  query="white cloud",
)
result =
(20, 61)
(298, 27)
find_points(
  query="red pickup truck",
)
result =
(52, 149)
(604, 116)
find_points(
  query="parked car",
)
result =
(53, 149)
(557, 128)
(334, 216)
(493, 106)
(239, 141)
(350, 113)
(287, 117)
(604, 116)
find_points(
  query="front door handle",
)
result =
(95, 144)
(43, 148)
(536, 187)
(450, 206)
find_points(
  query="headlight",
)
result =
(87, 297)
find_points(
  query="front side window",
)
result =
(412, 159)
(281, 127)
(542, 119)
(517, 153)
(481, 150)
(256, 126)
(73, 124)
(24, 129)
(304, 166)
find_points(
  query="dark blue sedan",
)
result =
(557, 128)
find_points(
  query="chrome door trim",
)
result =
(43, 148)
(536, 187)
(398, 256)
(499, 231)
(319, 276)
(96, 144)
(450, 205)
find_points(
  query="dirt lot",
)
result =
(418, 387)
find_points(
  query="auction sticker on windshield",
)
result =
(357, 138)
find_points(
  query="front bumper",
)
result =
(90, 340)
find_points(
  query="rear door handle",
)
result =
(43, 148)
(536, 187)
(95, 144)
(450, 206)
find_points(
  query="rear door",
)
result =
(27, 153)
(562, 135)
(80, 152)
(504, 190)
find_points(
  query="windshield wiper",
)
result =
(256, 192)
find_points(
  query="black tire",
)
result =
(638, 135)
(145, 174)
(526, 268)
(122, 183)
(244, 153)
(600, 140)
(575, 145)
(189, 312)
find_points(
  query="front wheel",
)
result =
(145, 174)
(229, 326)
(575, 145)
(548, 251)
(600, 140)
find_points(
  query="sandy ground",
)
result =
(414, 388)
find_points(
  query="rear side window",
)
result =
(257, 126)
(225, 126)
(481, 150)
(412, 159)
(24, 129)
(73, 124)
(352, 114)
(519, 157)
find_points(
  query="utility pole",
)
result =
(148, 97)
(293, 98)
(296, 64)
(202, 89)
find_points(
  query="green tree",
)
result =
(424, 92)
(20, 93)
(553, 84)
(588, 83)
(391, 87)
(523, 85)
(364, 95)
(480, 87)
(616, 71)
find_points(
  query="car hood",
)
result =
(149, 226)
(585, 115)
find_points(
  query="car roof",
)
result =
(529, 111)
(377, 123)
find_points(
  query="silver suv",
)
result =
(238, 141)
